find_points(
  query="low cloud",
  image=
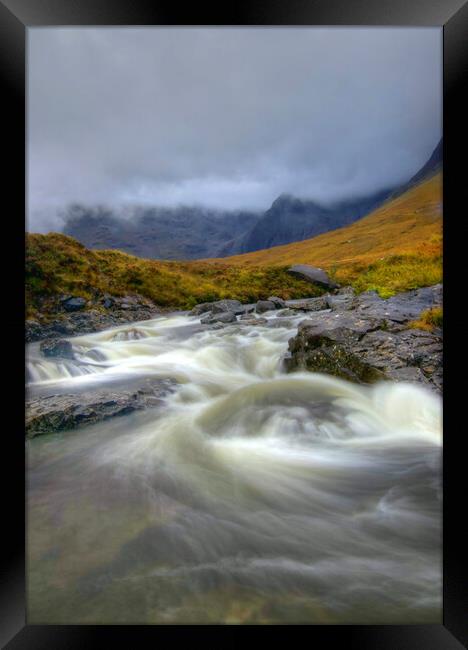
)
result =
(228, 118)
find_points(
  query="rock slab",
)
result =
(54, 413)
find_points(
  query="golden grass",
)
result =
(429, 319)
(396, 248)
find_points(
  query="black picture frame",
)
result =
(15, 17)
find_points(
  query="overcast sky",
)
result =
(227, 118)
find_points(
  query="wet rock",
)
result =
(279, 303)
(53, 413)
(312, 274)
(369, 339)
(218, 307)
(312, 304)
(329, 351)
(57, 348)
(224, 317)
(74, 304)
(288, 312)
(264, 305)
(254, 321)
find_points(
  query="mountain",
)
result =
(433, 165)
(157, 233)
(291, 219)
(395, 248)
(187, 233)
(398, 245)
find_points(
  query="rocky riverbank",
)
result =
(364, 339)
(50, 413)
(361, 338)
(65, 315)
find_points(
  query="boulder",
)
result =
(311, 304)
(312, 274)
(319, 349)
(264, 305)
(369, 339)
(278, 302)
(53, 413)
(218, 307)
(57, 348)
(224, 317)
(74, 304)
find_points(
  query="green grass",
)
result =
(58, 264)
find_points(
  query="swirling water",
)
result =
(251, 496)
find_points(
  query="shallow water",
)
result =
(252, 497)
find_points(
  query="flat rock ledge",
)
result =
(73, 316)
(54, 413)
(366, 339)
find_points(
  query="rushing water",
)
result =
(252, 496)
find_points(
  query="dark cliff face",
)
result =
(193, 233)
(290, 219)
(158, 233)
(431, 167)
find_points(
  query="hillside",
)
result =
(57, 264)
(397, 246)
(189, 233)
(291, 219)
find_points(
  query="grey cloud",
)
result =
(227, 117)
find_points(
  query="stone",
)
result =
(53, 413)
(264, 305)
(279, 303)
(312, 274)
(369, 339)
(218, 307)
(311, 304)
(224, 317)
(74, 304)
(57, 348)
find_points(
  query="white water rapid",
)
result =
(251, 496)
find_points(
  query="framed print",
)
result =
(237, 236)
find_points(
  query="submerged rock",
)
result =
(57, 348)
(53, 413)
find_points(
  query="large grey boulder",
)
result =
(369, 339)
(312, 274)
(224, 317)
(264, 305)
(218, 307)
(53, 413)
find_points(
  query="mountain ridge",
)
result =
(188, 233)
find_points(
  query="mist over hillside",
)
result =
(157, 233)
(197, 233)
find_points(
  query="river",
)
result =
(251, 496)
